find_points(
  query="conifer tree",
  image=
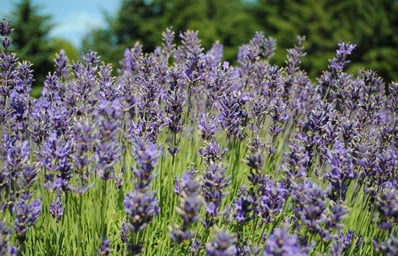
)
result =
(30, 39)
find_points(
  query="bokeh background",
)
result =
(42, 28)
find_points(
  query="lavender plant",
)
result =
(270, 146)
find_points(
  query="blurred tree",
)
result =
(227, 21)
(371, 24)
(144, 20)
(59, 43)
(30, 39)
(136, 20)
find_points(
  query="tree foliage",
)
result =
(371, 24)
(227, 21)
(30, 38)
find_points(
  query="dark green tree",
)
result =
(136, 20)
(227, 21)
(371, 24)
(30, 39)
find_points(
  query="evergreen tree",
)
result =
(371, 24)
(227, 21)
(30, 39)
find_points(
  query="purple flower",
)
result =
(168, 45)
(338, 62)
(310, 201)
(56, 208)
(12, 250)
(145, 154)
(5, 27)
(189, 207)
(179, 236)
(211, 152)
(244, 206)
(213, 185)
(342, 243)
(124, 232)
(208, 126)
(341, 161)
(233, 116)
(140, 208)
(174, 97)
(61, 65)
(105, 249)
(389, 247)
(282, 243)
(271, 199)
(5, 31)
(55, 158)
(294, 56)
(387, 206)
(26, 216)
(222, 244)
(107, 149)
(5, 234)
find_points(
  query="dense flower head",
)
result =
(345, 49)
(342, 169)
(213, 187)
(140, 208)
(208, 126)
(5, 32)
(188, 190)
(282, 243)
(311, 205)
(343, 242)
(5, 27)
(26, 216)
(387, 206)
(211, 152)
(271, 199)
(244, 206)
(233, 115)
(56, 208)
(105, 249)
(222, 244)
(389, 247)
(145, 153)
(55, 158)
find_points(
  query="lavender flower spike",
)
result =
(26, 216)
(56, 209)
(141, 208)
(104, 250)
(281, 243)
(223, 244)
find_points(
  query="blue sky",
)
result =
(72, 18)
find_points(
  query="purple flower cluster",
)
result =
(56, 208)
(213, 187)
(105, 250)
(314, 212)
(140, 205)
(25, 216)
(5, 248)
(188, 190)
(387, 207)
(282, 243)
(222, 244)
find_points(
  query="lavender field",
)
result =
(181, 153)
